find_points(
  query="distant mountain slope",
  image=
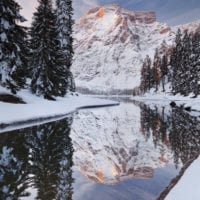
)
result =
(192, 26)
(110, 45)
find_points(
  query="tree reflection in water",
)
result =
(14, 166)
(176, 128)
(39, 157)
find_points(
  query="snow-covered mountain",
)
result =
(110, 45)
(109, 146)
(191, 27)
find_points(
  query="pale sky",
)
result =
(80, 6)
(173, 12)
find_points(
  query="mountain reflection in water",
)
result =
(129, 152)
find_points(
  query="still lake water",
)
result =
(127, 152)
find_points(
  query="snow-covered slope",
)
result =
(184, 190)
(109, 146)
(110, 45)
(192, 26)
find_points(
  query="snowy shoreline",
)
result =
(38, 110)
(166, 98)
(188, 185)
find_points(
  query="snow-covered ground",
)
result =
(38, 108)
(166, 98)
(189, 185)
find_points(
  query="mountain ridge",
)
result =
(110, 43)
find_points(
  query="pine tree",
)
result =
(13, 38)
(156, 76)
(185, 72)
(64, 13)
(156, 70)
(164, 70)
(143, 82)
(175, 62)
(14, 166)
(185, 63)
(146, 75)
(195, 66)
(47, 59)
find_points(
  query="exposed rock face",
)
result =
(9, 98)
(134, 16)
(110, 45)
(165, 30)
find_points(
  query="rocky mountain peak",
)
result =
(110, 44)
(117, 11)
(110, 25)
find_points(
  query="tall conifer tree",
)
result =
(47, 59)
(195, 67)
(146, 74)
(185, 73)
(164, 70)
(156, 69)
(175, 63)
(13, 50)
(64, 13)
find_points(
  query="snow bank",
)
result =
(38, 108)
(165, 98)
(189, 184)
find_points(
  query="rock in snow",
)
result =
(110, 45)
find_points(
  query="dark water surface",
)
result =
(128, 152)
